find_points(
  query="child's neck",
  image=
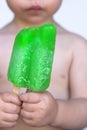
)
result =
(20, 24)
(16, 25)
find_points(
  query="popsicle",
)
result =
(32, 58)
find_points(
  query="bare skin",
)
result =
(64, 84)
(64, 104)
(6, 86)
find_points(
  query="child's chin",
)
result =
(36, 20)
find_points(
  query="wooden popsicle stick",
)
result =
(18, 91)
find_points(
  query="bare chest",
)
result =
(59, 76)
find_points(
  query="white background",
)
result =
(72, 15)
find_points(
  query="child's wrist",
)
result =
(55, 118)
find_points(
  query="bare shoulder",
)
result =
(8, 33)
(9, 29)
(6, 30)
(6, 39)
(77, 44)
(5, 34)
(71, 40)
(76, 41)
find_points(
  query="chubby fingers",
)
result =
(11, 98)
(9, 117)
(10, 103)
(30, 97)
(8, 120)
(11, 108)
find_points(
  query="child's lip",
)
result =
(35, 8)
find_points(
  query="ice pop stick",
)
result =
(18, 90)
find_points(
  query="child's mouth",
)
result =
(37, 8)
(34, 10)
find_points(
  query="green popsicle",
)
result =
(32, 58)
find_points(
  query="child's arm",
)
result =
(72, 114)
(9, 109)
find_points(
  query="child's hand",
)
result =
(9, 109)
(38, 109)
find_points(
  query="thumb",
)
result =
(30, 97)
